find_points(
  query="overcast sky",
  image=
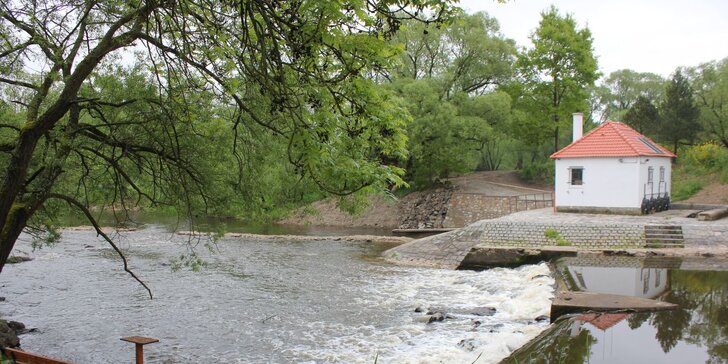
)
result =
(643, 35)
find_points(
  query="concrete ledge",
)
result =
(695, 206)
(484, 257)
(712, 215)
(601, 210)
(567, 302)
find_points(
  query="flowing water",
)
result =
(264, 301)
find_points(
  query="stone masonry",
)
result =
(543, 227)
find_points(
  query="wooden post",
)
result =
(139, 342)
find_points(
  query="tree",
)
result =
(557, 72)
(710, 82)
(447, 77)
(678, 113)
(643, 116)
(292, 68)
(622, 88)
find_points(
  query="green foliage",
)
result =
(448, 78)
(643, 116)
(679, 113)
(622, 89)
(557, 74)
(710, 83)
(47, 236)
(682, 190)
(703, 160)
(551, 233)
(699, 164)
(538, 171)
(226, 108)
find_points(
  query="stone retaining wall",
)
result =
(448, 250)
(466, 208)
(579, 235)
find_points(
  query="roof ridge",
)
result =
(612, 139)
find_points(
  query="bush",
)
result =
(705, 158)
(538, 172)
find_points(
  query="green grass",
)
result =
(683, 190)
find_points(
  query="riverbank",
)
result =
(466, 199)
(543, 232)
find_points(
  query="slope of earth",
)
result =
(424, 209)
(714, 193)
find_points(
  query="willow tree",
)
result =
(293, 68)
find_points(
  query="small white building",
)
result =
(612, 169)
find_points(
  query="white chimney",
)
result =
(578, 126)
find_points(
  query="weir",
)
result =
(535, 233)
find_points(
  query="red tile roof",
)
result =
(602, 321)
(613, 139)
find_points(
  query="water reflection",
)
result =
(697, 332)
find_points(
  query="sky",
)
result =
(642, 35)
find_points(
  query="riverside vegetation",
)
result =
(199, 108)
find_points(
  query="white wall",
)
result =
(655, 163)
(608, 182)
(621, 280)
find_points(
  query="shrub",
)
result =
(538, 172)
(705, 158)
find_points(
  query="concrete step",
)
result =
(657, 236)
(664, 236)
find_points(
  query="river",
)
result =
(264, 301)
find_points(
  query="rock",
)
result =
(540, 276)
(542, 318)
(476, 323)
(618, 253)
(8, 336)
(15, 325)
(2, 299)
(18, 259)
(467, 344)
(418, 309)
(437, 317)
(481, 311)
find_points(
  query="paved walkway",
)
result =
(526, 229)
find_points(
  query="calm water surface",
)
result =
(697, 332)
(264, 301)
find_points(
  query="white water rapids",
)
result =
(265, 301)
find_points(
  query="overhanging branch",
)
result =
(73, 202)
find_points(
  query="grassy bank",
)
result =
(697, 168)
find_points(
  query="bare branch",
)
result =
(73, 202)
(18, 83)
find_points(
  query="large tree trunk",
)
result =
(16, 220)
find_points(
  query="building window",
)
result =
(650, 173)
(662, 174)
(576, 176)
